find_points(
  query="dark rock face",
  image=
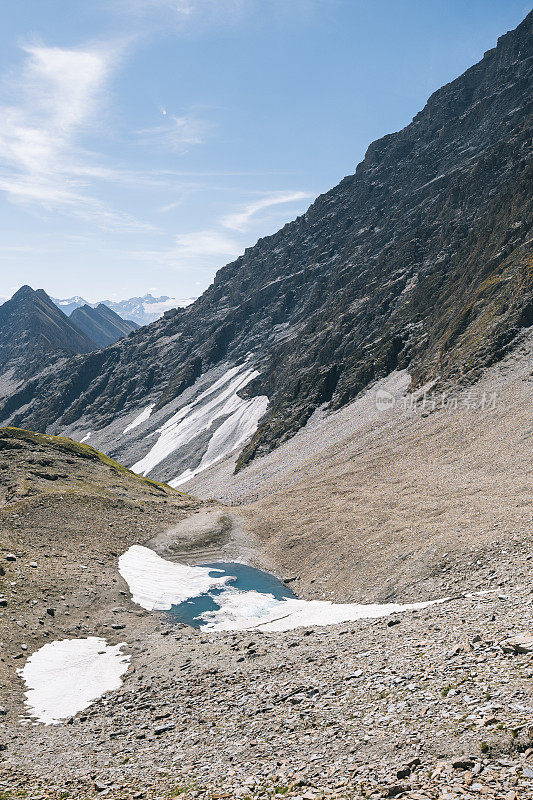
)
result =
(101, 324)
(34, 334)
(421, 259)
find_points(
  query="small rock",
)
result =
(462, 763)
(521, 643)
(163, 729)
(11, 557)
(403, 772)
(398, 788)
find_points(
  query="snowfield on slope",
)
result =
(157, 584)
(232, 418)
(142, 417)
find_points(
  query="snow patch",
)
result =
(64, 677)
(231, 435)
(240, 611)
(85, 437)
(143, 416)
(218, 401)
(157, 584)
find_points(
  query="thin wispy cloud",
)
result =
(178, 133)
(58, 90)
(197, 249)
(241, 220)
(52, 101)
(187, 12)
(212, 248)
(181, 11)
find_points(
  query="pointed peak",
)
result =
(23, 292)
(42, 294)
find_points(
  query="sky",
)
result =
(146, 143)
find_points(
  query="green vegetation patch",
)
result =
(68, 446)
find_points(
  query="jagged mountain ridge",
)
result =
(421, 259)
(34, 333)
(101, 324)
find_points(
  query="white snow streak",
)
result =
(157, 584)
(232, 434)
(64, 677)
(143, 416)
(241, 611)
(85, 437)
(198, 416)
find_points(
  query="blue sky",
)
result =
(145, 143)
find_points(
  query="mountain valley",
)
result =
(347, 408)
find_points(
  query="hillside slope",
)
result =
(361, 505)
(69, 510)
(101, 324)
(420, 260)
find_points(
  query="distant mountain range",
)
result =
(141, 310)
(101, 324)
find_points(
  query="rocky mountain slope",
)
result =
(34, 333)
(101, 324)
(421, 260)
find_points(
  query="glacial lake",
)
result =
(242, 577)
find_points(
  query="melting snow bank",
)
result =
(231, 435)
(157, 584)
(64, 677)
(220, 402)
(240, 611)
(143, 416)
